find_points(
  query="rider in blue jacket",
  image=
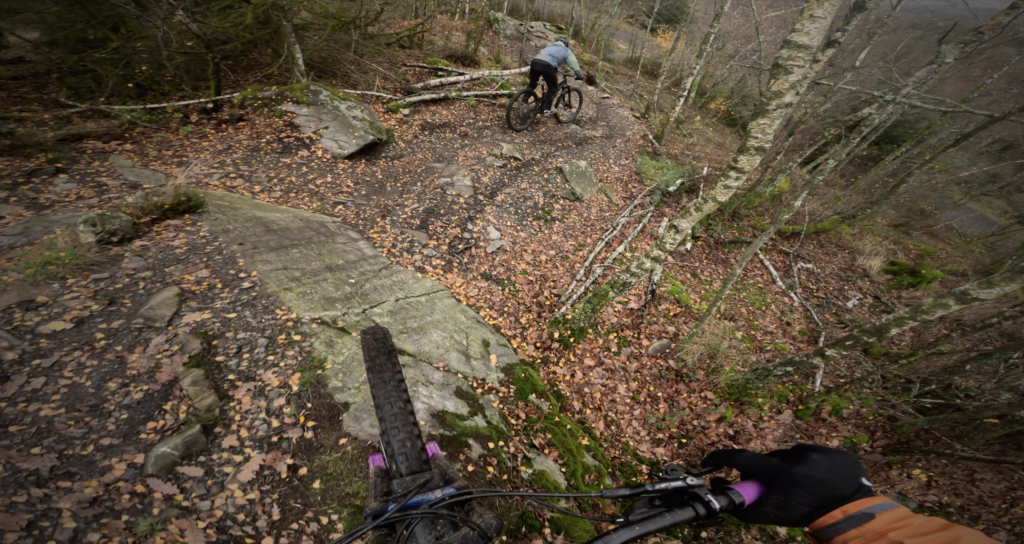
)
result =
(546, 65)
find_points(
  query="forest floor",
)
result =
(86, 398)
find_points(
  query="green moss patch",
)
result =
(909, 276)
(572, 528)
(660, 171)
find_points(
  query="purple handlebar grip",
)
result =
(433, 449)
(377, 461)
(750, 489)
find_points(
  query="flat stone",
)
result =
(580, 177)
(189, 345)
(48, 362)
(199, 389)
(170, 452)
(609, 192)
(345, 125)
(509, 150)
(113, 184)
(105, 228)
(99, 276)
(660, 347)
(543, 462)
(318, 266)
(10, 340)
(493, 233)
(134, 262)
(20, 291)
(421, 237)
(495, 246)
(475, 449)
(567, 194)
(405, 112)
(259, 178)
(9, 210)
(494, 163)
(136, 173)
(65, 187)
(456, 180)
(34, 228)
(204, 506)
(161, 307)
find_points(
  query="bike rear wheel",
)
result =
(568, 106)
(399, 427)
(521, 110)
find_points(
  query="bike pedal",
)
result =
(710, 522)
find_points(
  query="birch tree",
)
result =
(790, 76)
(872, 334)
(697, 67)
(643, 48)
(652, 105)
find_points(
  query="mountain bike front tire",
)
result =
(569, 105)
(400, 435)
(522, 110)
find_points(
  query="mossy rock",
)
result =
(572, 528)
(909, 276)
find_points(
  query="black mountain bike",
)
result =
(524, 106)
(416, 496)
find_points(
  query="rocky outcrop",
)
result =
(538, 33)
(170, 452)
(345, 125)
(580, 178)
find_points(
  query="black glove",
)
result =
(802, 483)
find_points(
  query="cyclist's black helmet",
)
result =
(563, 41)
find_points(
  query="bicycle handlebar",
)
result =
(703, 505)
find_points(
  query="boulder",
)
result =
(105, 228)
(581, 179)
(161, 307)
(169, 453)
(134, 172)
(345, 125)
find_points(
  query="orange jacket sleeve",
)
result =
(877, 520)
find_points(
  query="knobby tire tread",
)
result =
(399, 426)
(577, 97)
(511, 104)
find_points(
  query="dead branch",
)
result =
(83, 107)
(430, 67)
(447, 96)
(434, 83)
(959, 108)
(958, 455)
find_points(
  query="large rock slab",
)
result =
(344, 125)
(581, 180)
(136, 173)
(456, 180)
(35, 228)
(325, 271)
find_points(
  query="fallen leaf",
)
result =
(191, 472)
(161, 486)
(230, 440)
(191, 318)
(54, 326)
(12, 386)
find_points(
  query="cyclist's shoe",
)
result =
(549, 113)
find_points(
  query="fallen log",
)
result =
(434, 83)
(395, 106)
(432, 67)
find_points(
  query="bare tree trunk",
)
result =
(643, 48)
(652, 105)
(696, 67)
(978, 413)
(790, 78)
(299, 68)
(434, 83)
(869, 335)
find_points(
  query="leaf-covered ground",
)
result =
(92, 392)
